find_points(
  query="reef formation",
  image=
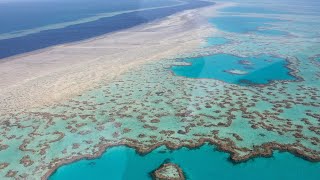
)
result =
(150, 106)
(168, 171)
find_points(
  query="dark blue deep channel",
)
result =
(18, 45)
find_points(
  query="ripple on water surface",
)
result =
(236, 70)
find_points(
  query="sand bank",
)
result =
(61, 72)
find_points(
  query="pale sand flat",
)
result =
(61, 72)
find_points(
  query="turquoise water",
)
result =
(308, 7)
(213, 41)
(271, 32)
(205, 162)
(198, 164)
(250, 9)
(259, 70)
(239, 24)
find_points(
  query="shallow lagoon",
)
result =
(233, 69)
(214, 41)
(250, 9)
(242, 24)
(198, 164)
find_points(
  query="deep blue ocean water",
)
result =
(204, 163)
(261, 70)
(43, 39)
(22, 15)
